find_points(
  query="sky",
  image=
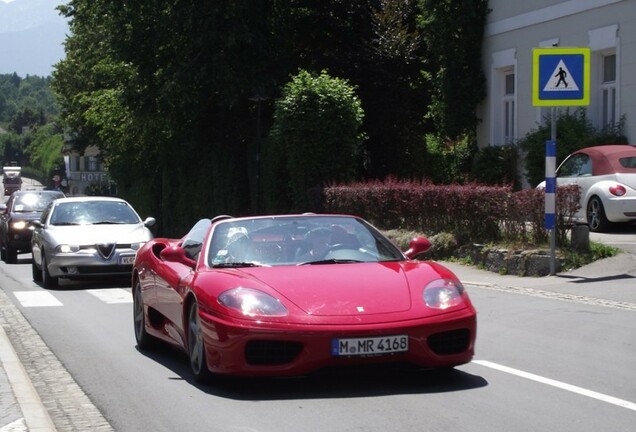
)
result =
(32, 35)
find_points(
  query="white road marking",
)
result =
(112, 295)
(16, 426)
(564, 386)
(36, 298)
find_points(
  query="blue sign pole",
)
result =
(551, 190)
(550, 185)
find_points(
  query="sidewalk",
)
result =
(20, 404)
(610, 279)
(37, 393)
(21, 408)
(610, 282)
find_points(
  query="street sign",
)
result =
(560, 76)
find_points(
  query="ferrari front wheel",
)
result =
(144, 340)
(196, 345)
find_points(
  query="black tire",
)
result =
(144, 340)
(596, 218)
(11, 254)
(47, 280)
(196, 346)
(36, 272)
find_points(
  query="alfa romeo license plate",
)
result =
(126, 260)
(370, 346)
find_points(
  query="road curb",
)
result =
(36, 416)
(68, 406)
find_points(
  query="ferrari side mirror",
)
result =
(177, 254)
(417, 246)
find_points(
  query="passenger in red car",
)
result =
(237, 248)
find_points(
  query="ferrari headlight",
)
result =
(443, 294)
(252, 302)
(19, 225)
(66, 248)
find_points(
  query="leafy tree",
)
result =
(317, 131)
(453, 34)
(26, 118)
(26, 101)
(184, 91)
(44, 150)
(162, 87)
(12, 146)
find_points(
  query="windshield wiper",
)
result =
(330, 261)
(108, 222)
(235, 264)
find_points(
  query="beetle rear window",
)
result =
(628, 162)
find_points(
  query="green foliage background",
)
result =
(180, 96)
(32, 137)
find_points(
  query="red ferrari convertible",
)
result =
(290, 294)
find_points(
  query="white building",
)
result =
(514, 28)
(84, 171)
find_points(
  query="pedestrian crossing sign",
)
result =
(560, 76)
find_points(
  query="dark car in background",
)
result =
(15, 230)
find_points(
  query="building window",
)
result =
(73, 162)
(509, 108)
(92, 164)
(608, 90)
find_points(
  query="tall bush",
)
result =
(449, 160)
(496, 165)
(315, 136)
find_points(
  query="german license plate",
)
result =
(127, 260)
(370, 346)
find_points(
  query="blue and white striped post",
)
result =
(550, 185)
(550, 199)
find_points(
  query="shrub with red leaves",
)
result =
(474, 213)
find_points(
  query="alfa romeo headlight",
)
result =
(66, 248)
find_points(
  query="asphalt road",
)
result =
(542, 364)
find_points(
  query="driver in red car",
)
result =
(320, 241)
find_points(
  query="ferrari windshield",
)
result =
(298, 240)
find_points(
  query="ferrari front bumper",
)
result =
(297, 350)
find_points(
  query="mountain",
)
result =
(32, 34)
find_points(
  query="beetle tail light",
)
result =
(618, 190)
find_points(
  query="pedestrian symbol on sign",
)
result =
(561, 80)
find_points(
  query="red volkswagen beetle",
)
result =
(290, 294)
